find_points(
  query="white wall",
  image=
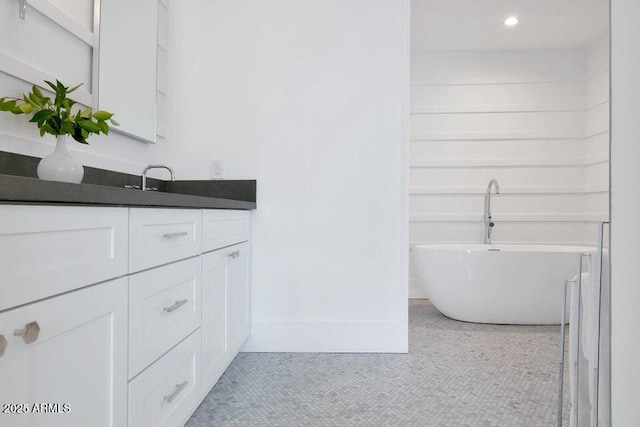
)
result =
(625, 211)
(308, 97)
(67, 56)
(520, 117)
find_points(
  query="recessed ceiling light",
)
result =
(511, 21)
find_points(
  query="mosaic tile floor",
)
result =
(456, 374)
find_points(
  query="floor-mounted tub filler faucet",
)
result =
(488, 224)
(148, 168)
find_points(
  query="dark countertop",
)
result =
(19, 184)
(18, 189)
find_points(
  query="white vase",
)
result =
(59, 165)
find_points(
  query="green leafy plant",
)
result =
(56, 117)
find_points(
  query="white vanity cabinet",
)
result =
(71, 372)
(189, 310)
(138, 312)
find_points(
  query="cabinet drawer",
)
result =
(159, 236)
(222, 228)
(164, 307)
(47, 250)
(168, 392)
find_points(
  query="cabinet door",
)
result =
(225, 309)
(239, 298)
(74, 372)
(215, 348)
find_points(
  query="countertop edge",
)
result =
(19, 190)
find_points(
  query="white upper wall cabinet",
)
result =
(127, 65)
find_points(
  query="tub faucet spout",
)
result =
(488, 224)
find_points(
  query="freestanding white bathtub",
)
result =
(508, 284)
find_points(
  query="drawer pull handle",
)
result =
(29, 333)
(175, 306)
(174, 235)
(234, 254)
(176, 392)
(3, 345)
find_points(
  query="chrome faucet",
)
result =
(488, 224)
(148, 168)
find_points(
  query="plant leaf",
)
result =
(8, 106)
(104, 127)
(51, 85)
(102, 115)
(89, 126)
(48, 129)
(37, 92)
(26, 108)
(74, 88)
(113, 122)
(34, 100)
(41, 116)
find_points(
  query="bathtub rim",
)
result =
(503, 247)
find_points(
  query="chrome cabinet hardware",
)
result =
(234, 254)
(176, 392)
(175, 306)
(174, 235)
(29, 333)
(132, 187)
(3, 345)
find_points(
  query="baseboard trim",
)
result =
(416, 290)
(328, 337)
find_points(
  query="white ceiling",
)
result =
(478, 24)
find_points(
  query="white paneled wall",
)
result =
(597, 130)
(67, 28)
(537, 121)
